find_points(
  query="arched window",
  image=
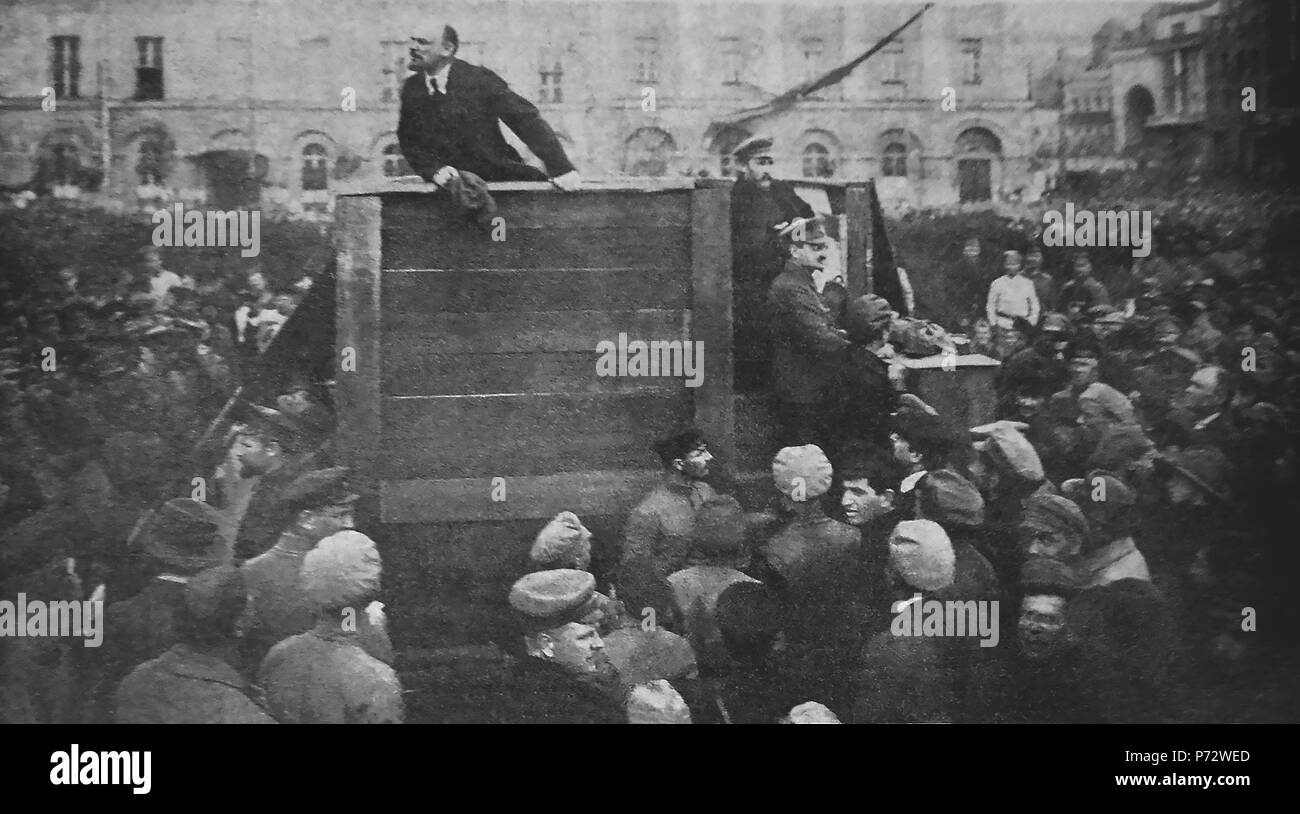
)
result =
(65, 164)
(151, 166)
(817, 161)
(394, 163)
(315, 168)
(648, 152)
(895, 161)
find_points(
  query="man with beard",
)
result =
(758, 203)
(660, 531)
(807, 349)
(449, 121)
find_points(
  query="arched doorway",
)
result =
(977, 150)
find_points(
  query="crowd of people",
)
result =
(1126, 512)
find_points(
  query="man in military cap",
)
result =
(278, 603)
(758, 203)
(807, 349)
(561, 674)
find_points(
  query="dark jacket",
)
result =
(459, 128)
(187, 686)
(806, 350)
(862, 399)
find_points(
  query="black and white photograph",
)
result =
(651, 362)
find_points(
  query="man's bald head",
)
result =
(433, 48)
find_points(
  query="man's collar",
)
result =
(441, 76)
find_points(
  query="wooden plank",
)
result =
(711, 315)
(426, 292)
(409, 372)
(530, 497)
(606, 209)
(434, 245)
(358, 322)
(530, 434)
(857, 205)
(446, 333)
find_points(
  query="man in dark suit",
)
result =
(758, 203)
(449, 121)
(807, 349)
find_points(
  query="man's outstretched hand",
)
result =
(569, 182)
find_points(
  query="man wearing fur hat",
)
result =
(815, 564)
(807, 349)
(565, 542)
(194, 682)
(278, 604)
(658, 536)
(325, 675)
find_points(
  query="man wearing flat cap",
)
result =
(181, 538)
(807, 350)
(278, 604)
(758, 203)
(451, 114)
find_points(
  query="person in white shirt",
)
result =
(1011, 295)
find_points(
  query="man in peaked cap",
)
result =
(659, 532)
(181, 539)
(807, 350)
(278, 604)
(1109, 504)
(325, 674)
(758, 203)
(560, 673)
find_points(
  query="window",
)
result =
(892, 63)
(65, 66)
(551, 74)
(394, 71)
(817, 161)
(733, 60)
(315, 168)
(65, 164)
(394, 163)
(647, 60)
(1179, 29)
(813, 51)
(148, 68)
(970, 58)
(895, 163)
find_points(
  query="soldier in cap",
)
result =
(326, 675)
(561, 674)
(807, 350)
(758, 203)
(278, 604)
(194, 682)
(1109, 504)
(565, 542)
(658, 536)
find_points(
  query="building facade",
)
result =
(277, 102)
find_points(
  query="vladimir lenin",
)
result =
(449, 116)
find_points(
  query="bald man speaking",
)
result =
(450, 111)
